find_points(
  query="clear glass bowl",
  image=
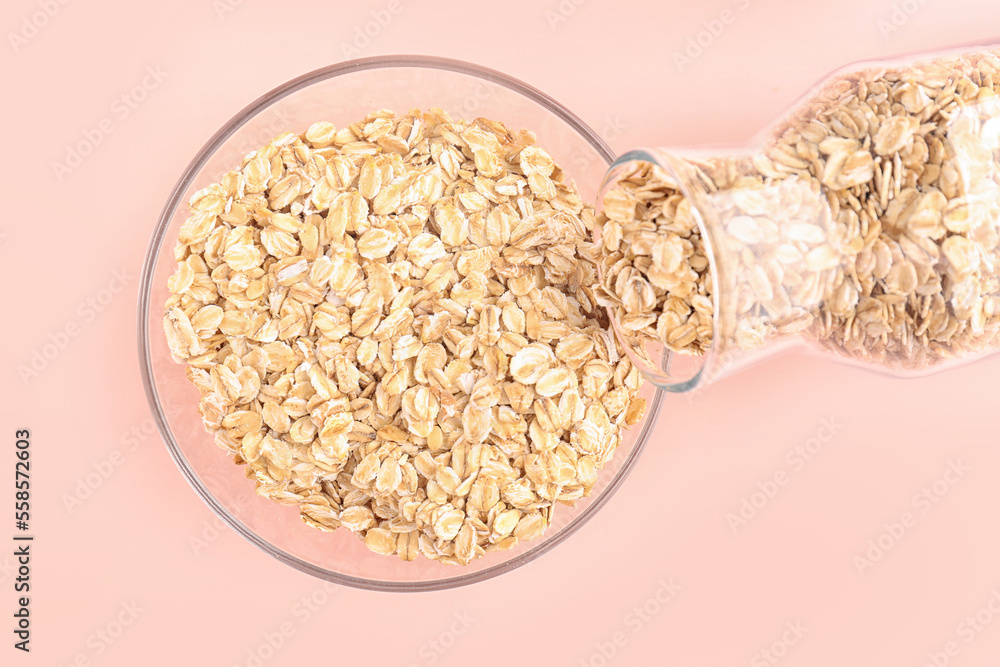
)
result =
(342, 94)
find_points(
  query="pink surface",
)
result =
(140, 571)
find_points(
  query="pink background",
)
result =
(130, 551)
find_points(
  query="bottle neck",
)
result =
(746, 261)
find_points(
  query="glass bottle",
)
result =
(864, 224)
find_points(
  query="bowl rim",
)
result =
(143, 311)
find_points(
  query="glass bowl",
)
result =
(342, 94)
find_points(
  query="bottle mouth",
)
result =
(666, 368)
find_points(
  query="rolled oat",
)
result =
(392, 324)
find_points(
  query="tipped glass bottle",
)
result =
(863, 224)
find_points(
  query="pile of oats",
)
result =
(869, 223)
(392, 324)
